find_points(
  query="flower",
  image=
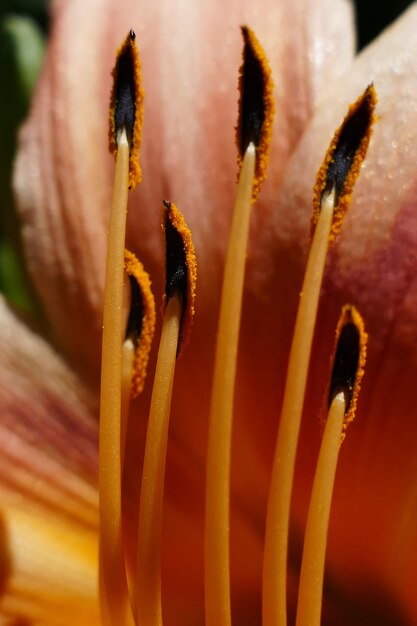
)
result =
(63, 179)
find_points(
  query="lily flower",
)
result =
(190, 56)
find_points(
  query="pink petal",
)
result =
(191, 54)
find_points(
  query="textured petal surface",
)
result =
(63, 168)
(190, 60)
(48, 497)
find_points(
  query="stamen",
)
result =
(114, 595)
(112, 577)
(128, 358)
(256, 106)
(179, 295)
(347, 372)
(348, 361)
(278, 512)
(141, 321)
(344, 158)
(126, 105)
(254, 130)
(181, 268)
(331, 192)
(139, 334)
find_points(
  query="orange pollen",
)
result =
(256, 106)
(143, 342)
(126, 104)
(344, 158)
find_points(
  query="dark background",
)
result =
(373, 15)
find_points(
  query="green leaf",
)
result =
(37, 9)
(21, 53)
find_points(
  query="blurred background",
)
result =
(24, 26)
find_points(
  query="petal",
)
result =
(63, 185)
(48, 496)
(63, 173)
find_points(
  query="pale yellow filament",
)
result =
(149, 610)
(315, 539)
(113, 586)
(217, 574)
(274, 601)
(128, 355)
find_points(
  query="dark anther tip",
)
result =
(176, 260)
(252, 104)
(125, 96)
(136, 311)
(132, 34)
(345, 363)
(354, 132)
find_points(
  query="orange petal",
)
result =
(48, 496)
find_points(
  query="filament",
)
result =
(149, 610)
(128, 356)
(315, 539)
(113, 585)
(217, 573)
(279, 501)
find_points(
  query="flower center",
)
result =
(138, 601)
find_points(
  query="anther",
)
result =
(343, 160)
(348, 360)
(126, 105)
(256, 106)
(181, 268)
